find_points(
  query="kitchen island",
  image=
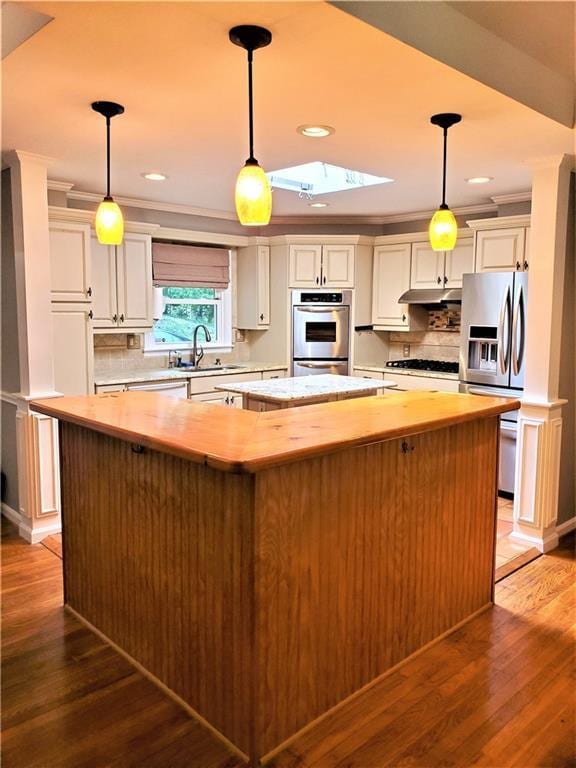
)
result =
(265, 567)
(274, 394)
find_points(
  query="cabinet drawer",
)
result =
(100, 388)
(280, 374)
(199, 384)
(407, 383)
(368, 374)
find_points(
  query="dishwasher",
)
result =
(172, 388)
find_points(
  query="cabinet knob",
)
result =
(89, 292)
(406, 448)
(122, 318)
(439, 280)
(262, 317)
(403, 318)
(324, 281)
(525, 266)
(518, 265)
(227, 400)
(317, 280)
(114, 318)
(90, 314)
(445, 279)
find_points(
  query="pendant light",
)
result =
(443, 229)
(109, 220)
(253, 196)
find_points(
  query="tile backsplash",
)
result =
(441, 340)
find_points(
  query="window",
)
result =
(180, 310)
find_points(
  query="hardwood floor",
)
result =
(499, 692)
(510, 554)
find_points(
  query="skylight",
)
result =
(318, 178)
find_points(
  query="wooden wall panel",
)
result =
(157, 555)
(362, 557)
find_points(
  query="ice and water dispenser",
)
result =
(483, 348)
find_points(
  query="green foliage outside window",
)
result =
(192, 307)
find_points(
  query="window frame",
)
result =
(223, 302)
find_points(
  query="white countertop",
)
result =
(133, 375)
(408, 372)
(305, 387)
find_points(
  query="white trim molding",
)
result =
(566, 527)
(503, 222)
(58, 213)
(31, 535)
(516, 197)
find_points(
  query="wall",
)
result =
(567, 384)
(10, 362)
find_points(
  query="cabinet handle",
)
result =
(89, 292)
(232, 401)
(317, 280)
(122, 318)
(518, 265)
(227, 400)
(405, 448)
(525, 266)
(403, 318)
(439, 280)
(90, 314)
(261, 317)
(324, 281)
(445, 279)
(114, 318)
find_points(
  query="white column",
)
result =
(540, 418)
(37, 435)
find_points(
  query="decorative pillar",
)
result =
(37, 435)
(540, 418)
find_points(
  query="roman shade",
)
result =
(190, 266)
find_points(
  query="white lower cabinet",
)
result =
(73, 353)
(171, 388)
(406, 382)
(280, 374)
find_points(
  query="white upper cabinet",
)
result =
(253, 280)
(70, 261)
(458, 262)
(500, 250)
(441, 269)
(123, 292)
(321, 266)
(391, 280)
(134, 282)
(427, 268)
(337, 266)
(305, 266)
(73, 354)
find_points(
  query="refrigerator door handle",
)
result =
(519, 317)
(504, 336)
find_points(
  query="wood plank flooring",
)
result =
(510, 554)
(497, 693)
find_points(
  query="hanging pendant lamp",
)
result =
(109, 221)
(253, 196)
(443, 229)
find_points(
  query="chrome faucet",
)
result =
(198, 355)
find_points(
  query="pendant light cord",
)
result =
(444, 169)
(250, 106)
(107, 157)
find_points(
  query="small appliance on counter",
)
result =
(321, 332)
(492, 351)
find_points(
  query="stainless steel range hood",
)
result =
(432, 296)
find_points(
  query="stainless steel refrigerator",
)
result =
(492, 350)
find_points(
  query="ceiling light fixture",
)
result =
(480, 179)
(318, 205)
(315, 131)
(443, 229)
(253, 195)
(153, 176)
(109, 222)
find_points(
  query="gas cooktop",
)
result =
(438, 366)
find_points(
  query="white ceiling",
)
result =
(184, 88)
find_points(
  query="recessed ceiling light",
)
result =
(153, 176)
(315, 131)
(318, 205)
(479, 179)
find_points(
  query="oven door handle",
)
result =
(321, 310)
(318, 365)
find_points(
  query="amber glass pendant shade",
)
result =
(253, 196)
(109, 223)
(443, 230)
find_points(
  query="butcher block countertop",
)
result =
(234, 440)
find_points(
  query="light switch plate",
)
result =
(406, 350)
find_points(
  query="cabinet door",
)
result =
(526, 263)
(134, 282)
(73, 352)
(391, 279)
(305, 266)
(458, 262)
(500, 250)
(338, 266)
(427, 269)
(263, 282)
(104, 298)
(215, 398)
(70, 261)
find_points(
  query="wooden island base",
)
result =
(263, 599)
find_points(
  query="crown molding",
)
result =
(59, 186)
(417, 237)
(321, 239)
(15, 157)
(80, 216)
(501, 222)
(212, 238)
(516, 197)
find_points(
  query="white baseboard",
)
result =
(566, 527)
(543, 544)
(32, 536)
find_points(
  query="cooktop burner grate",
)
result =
(437, 366)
